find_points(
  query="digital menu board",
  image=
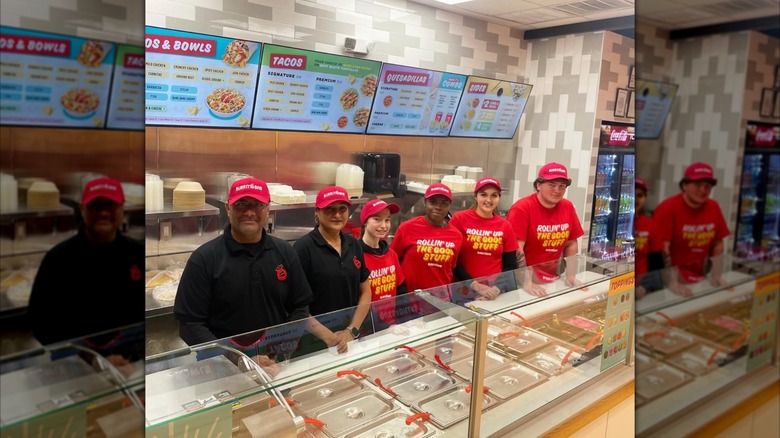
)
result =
(54, 80)
(199, 80)
(126, 107)
(302, 90)
(490, 108)
(653, 100)
(413, 101)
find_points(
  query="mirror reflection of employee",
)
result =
(547, 228)
(94, 281)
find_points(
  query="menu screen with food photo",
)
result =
(54, 80)
(199, 80)
(302, 90)
(126, 108)
(490, 108)
(412, 101)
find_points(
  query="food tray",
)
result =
(393, 425)
(644, 363)
(660, 380)
(464, 367)
(701, 327)
(353, 411)
(311, 396)
(565, 332)
(512, 379)
(545, 363)
(522, 341)
(393, 367)
(449, 349)
(559, 351)
(421, 384)
(451, 405)
(695, 359)
(583, 323)
(665, 340)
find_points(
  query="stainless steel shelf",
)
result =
(170, 212)
(23, 213)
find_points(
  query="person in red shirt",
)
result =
(648, 245)
(692, 228)
(386, 278)
(546, 227)
(489, 246)
(427, 246)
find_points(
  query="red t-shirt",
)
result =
(545, 231)
(484, 242)
(427, 253)
(692, 232)
(385, 274)
(646, 240)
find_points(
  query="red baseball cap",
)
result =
(438, 189)
(375, 206)
(103, 187)
(252, 187)
(487, 181)
(331, 194)
(699, 170)
(639, 182)
(554, 170)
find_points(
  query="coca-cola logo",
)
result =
(765, 136)
(620, 137)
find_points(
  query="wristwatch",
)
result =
(354, 331)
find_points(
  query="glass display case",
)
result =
(83, 387)
(699, 356)
(427, 363)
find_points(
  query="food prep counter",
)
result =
(700, 356)
(413, 378)
(69, 389)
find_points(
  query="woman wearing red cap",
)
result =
(335, 268)
(692, 228)
(428, 246)
(489, 246)
(648, 245)
(386, 277)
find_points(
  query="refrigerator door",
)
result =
(624, 225)
(748, 227)
(770, 240)
(605, 205)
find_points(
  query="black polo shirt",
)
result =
(235, 288)
(335, 281)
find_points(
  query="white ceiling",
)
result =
(668, 14)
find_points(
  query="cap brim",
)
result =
(323, 204)
(116, 199)
(260, 198)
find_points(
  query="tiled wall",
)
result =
(575, 79)
(110, 20)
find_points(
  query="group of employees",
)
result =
(686, 232)
(247, 279)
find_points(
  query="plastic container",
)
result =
(350, 176)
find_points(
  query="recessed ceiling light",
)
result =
(452, 2)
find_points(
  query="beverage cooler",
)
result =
(612, 223)
(758, 223)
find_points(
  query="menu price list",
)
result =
(413, 101)
(303, 90)
(199, 80)
(126, 109)
(490, 108)
(617, 321)
(653, 103)
(54, 80)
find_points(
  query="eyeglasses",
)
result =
(243, 205)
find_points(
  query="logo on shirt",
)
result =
(135, 273)
(281, 273)
(356, 262)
